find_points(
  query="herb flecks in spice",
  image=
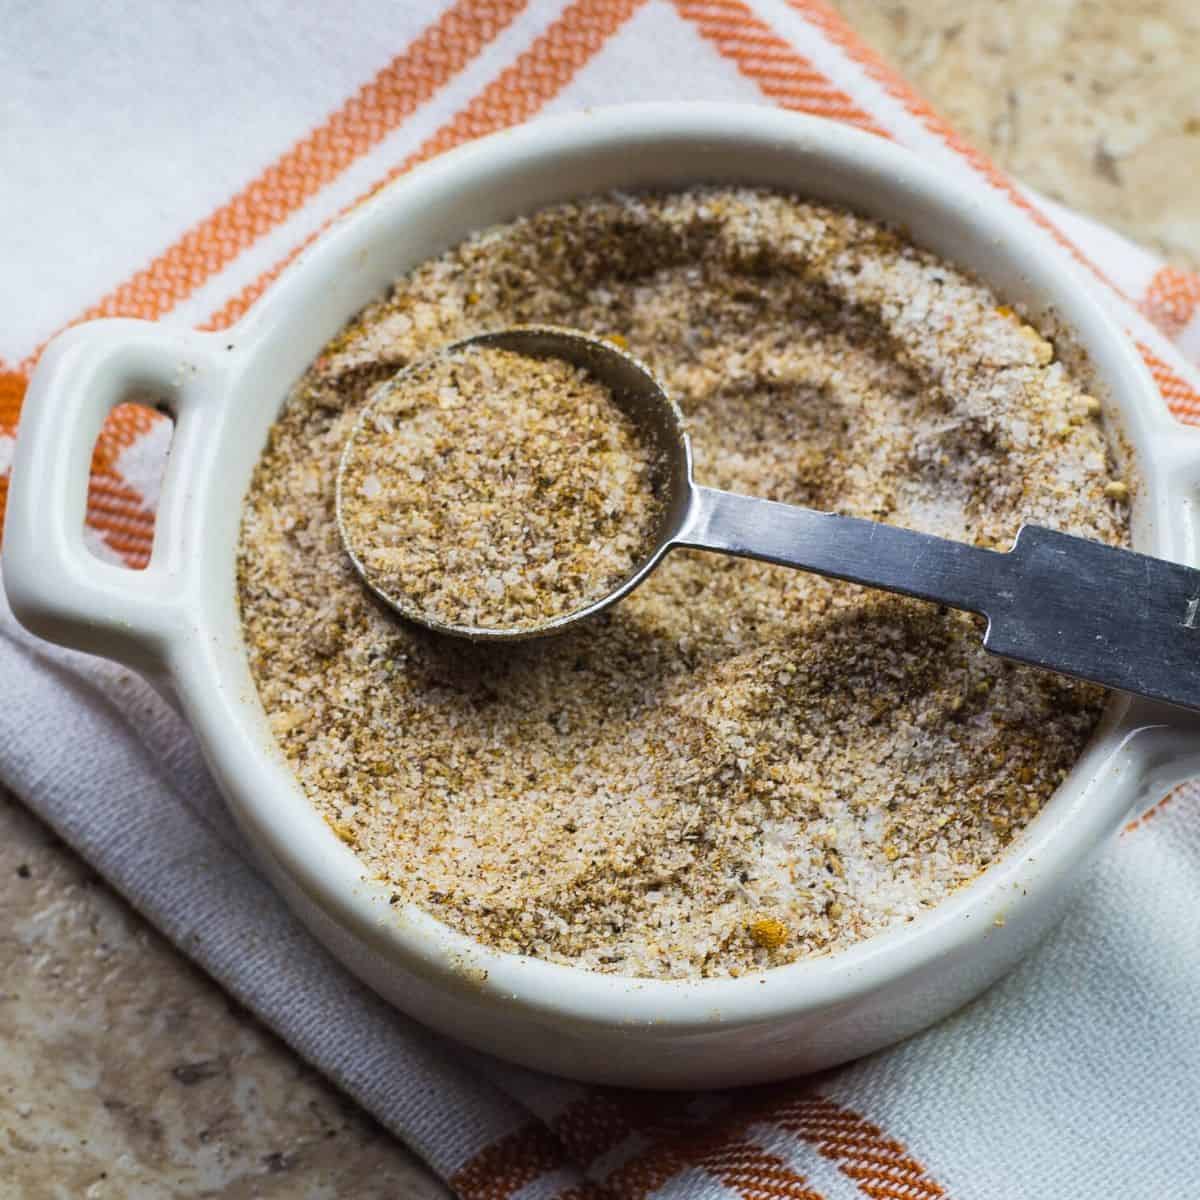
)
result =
(735, 742)
(495, 490)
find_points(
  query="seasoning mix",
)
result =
(492, 490)
(740, 764)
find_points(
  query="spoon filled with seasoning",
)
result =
(520, 481)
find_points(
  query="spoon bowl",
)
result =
(635, 391)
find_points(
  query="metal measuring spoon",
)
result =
(1063, 603)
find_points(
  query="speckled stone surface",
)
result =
(1093, 102)
(124, 1073)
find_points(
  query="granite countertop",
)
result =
(123, 1071)
(1092, 102)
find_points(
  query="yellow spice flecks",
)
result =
(768, 932)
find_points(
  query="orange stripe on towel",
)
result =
(516, 94)
(410, 79)
(881, 1167)
(115, 510)
(1152, 812)
(718, 1147)
(755, 1173)
(1171, 299)
(783, 75)
(1182, 399)
(12, 392)
(740, 1165)
(508, 1164)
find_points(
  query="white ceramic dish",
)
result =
(177, 620)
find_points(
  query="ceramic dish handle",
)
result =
(56, 586)
(1169, 741)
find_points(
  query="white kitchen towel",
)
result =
(163, 162)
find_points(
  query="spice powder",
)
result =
(740, 764)
(493, 490)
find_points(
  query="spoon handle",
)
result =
(1121, 619)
